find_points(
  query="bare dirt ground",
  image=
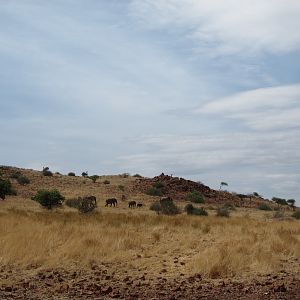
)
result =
(122, 253)
(100, 283)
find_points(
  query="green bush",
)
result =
(168, 207)
(48, 199)
(195, 197)
(280, 201)
(264, 206)
(47, 172)
(23, 180)
(223, 212)
(6, 188)
(296, 215)
(158, 185)
(73, 202)
(191, 210)
(94, 178)
(106, 182)
(155, 206)
(154, 192)
(71, 174)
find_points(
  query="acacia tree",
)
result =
(291, 203)
(223, 184)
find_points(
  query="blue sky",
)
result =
(207, 90)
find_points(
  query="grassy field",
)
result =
(215, 247)
(249, 243)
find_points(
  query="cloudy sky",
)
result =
(203, 89)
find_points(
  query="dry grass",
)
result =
(213, 246)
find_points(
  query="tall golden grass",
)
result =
(216, 247)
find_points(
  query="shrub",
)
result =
(121, 187)
(94, 178)
(154, 192)
(86, 205)
(48, 198)
(124, 175)
(73, 202)
(191, 210)
(296, 215)
(15, 175)
(229, 206)
(195, 197)
(106, 181)
(155, 206)
(138, 176)
(5, 188)
(23, 180)
(168, 207)
(47, 172)
(85, 174)
(264, 206)
(223, 212)
(159, 185)
(71, 174)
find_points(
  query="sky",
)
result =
(208, 90)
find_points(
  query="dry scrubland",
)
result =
(249, 244)
(215, 247)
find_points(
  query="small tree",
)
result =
(48, 199)
(291, 203)
(47, 172)
(5, 188)
(71, 174)
(223, 184)
(279, 201)
(191, 210)
(85, 174)
(168, 207)
(94, 178)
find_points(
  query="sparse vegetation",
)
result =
(155, 206)
(121, 187)
(94, 178)
(5, 188)
(279, 201)
(264, 206)
(71, 174)
(72, 202)
(168, 207)
(154, 192)
(48, 199)
(195, 197)
(191, 210)
(124, 175)
(23, 180)
(15, 175)
(138, 176)
(223, 212)
(47, 172)
(296, 215)
(106, 181)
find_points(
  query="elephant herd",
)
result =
(114, 202)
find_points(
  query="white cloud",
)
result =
(260, 109)
(227, 27)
